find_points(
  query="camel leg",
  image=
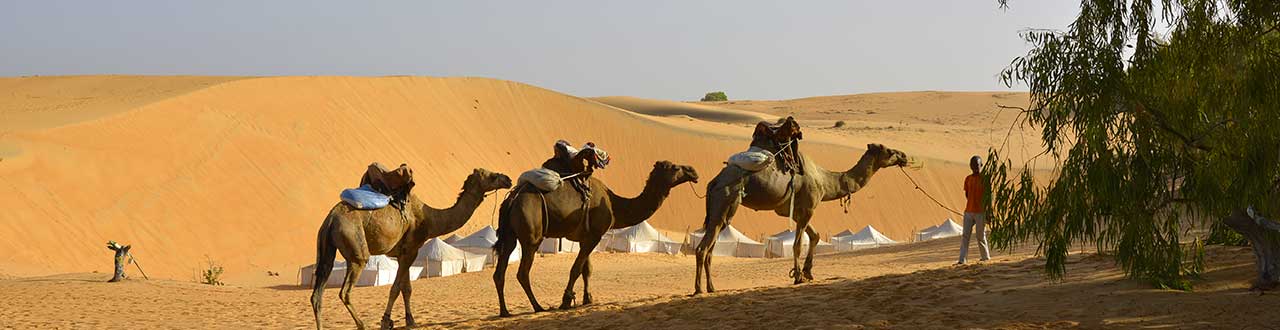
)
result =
(500, 274)
(586, 282)
(802, 225)
(326, 251)
(584, 252)
(522, 275)
(354, 266)
(813, 245)
(401, 287)
(703, 255)
(387, 323)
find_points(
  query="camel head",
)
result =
(885, 157)
(485, 181)
(665, 171)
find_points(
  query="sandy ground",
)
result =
(240, 171)
(901, 287)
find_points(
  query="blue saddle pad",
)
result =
(364, 198)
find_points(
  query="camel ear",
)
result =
(873, 146)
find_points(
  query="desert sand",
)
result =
(241, 170)
(901, 287)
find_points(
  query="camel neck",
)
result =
(443, 222)
(849, 182)
(629, 212)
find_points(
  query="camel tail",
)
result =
(326, 251)
(506, 234)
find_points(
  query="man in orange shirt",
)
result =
(975, 217)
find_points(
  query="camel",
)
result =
(772, 189)
(357, 234)
(531, 216)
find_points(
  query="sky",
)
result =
(676, 50)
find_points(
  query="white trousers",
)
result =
(974, 222)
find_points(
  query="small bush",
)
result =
(715, 97)
(212, 274)
(839, 124)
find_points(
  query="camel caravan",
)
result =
(387, 236)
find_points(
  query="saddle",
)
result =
(396, 183)
(773, 137)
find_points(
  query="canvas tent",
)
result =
(731, 243)
(452, 239)
(780, 245)
(564, 245)
(946, 229)
(641, 238)
(481, 242)
(437, 258)
(380, 270)
(868, 237)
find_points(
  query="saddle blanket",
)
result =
(754, 159)
(543, 179)
(364, 198)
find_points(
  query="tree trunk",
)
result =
(122, 259)
(1264, 235)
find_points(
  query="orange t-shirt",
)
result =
(973, 193)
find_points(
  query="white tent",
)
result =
(481, 242)
(641, 238)
(564, 245)
(780, 245)
(868, 237)
(452, 239)
(438, 259)
(731, 243)
(380, 270)
(946, 229)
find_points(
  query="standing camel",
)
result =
(531, 216)
(357, 234)
(772, 189)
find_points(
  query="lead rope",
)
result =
(926, 194)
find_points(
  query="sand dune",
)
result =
(664, 108)
(241, 171)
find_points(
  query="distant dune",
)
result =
(241, 170)
(664, 108)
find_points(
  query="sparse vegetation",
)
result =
(715, 97)
(839, 124)
(212, 273)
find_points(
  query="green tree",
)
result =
(1158, 137)
(714, 97)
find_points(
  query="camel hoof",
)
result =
(538, 309)
(504, 313)
(586, 299)
(387, 323)
(566, 305)
(408, 321)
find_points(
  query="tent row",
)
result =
(435, 259)
(456, 254)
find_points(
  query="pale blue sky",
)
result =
(659, 49)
